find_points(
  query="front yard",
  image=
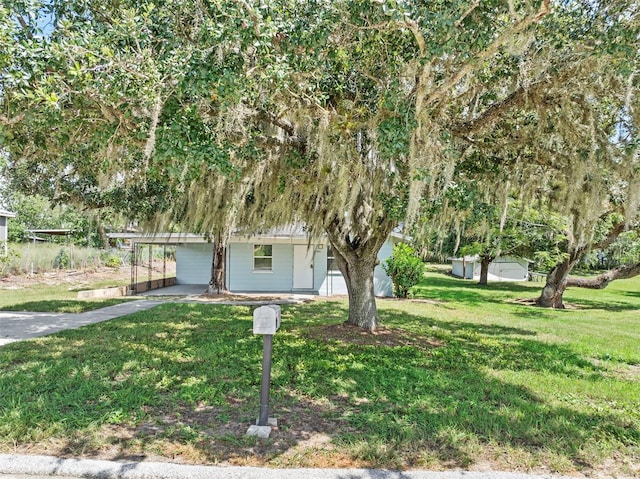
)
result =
(461, 376)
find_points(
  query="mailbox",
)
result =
(266, 319)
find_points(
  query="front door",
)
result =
(302, 267)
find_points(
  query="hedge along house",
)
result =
(4, 228)
(279, 261)
(503, 268)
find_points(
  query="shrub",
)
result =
(62, 259)
(8, 262)
(113, 261)
(404, 268)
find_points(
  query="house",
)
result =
(503, 268)
(279, 261)
(4, 226)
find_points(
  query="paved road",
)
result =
(40, 467)
(16, 326)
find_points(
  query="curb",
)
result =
(25, 466)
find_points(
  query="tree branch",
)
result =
(5, 120)
(492, 49)
(603, 280)
(252, 15)
(286, 125)
(25, 26)
(612, 235)
(151, 139)
(417, 34)
(516, 98)
(473, 6)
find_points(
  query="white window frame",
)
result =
(262, 270)
(331, 260)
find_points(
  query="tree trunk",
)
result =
(104, 239)
(358, 276)
(603, 280)
(484, 269)
(551, 296)
(218, 283)
(557, 279)
(357, 257)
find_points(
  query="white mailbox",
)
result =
(266, 319)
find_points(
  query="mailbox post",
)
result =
(266, 321)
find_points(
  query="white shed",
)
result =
(503, 268)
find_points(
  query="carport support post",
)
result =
(267, 350)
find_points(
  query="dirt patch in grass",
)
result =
(244, 297)
(532, 302)
(217, 435)
(391, 337)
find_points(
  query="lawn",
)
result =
(56, 296)
(462, 376)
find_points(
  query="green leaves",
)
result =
(405, 269)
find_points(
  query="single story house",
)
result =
(4, 226)
(278, 261)
(503, 268)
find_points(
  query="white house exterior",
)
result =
(281, 261)
(503, 268)
(4, 220)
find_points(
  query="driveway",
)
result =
(18, 325)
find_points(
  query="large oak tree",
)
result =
(348, 115)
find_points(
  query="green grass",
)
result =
(57, 297)
(472, 376)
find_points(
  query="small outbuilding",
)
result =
(4, 225)
(503, 268)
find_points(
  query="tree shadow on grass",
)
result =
(450, 289)
(633, 294)
(183, 381)
(454, 290)
(418, 322)
(607, 304)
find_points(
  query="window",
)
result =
(332, 266)
(262, 257)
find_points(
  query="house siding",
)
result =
(334, 283)
(193, 263)
(193, 266)
(241, 276)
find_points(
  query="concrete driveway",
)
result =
(18, 325)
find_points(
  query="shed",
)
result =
(503, 268)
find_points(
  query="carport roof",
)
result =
(181, 238)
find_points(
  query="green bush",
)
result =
(8, 261)
(404, 268)
(62, 259)
(113, 261)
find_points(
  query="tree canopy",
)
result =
(350, 115)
